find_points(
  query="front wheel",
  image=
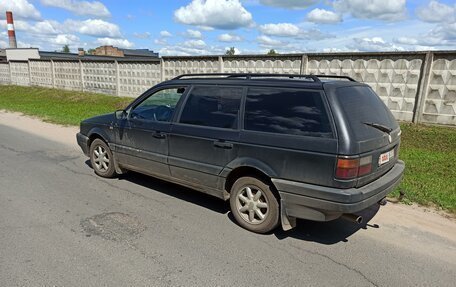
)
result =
(101, 159)
(254, 205)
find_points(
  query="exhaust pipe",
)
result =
(353, 218)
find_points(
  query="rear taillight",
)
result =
(352, 168)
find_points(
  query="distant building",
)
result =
(105, 53)
(118, 52)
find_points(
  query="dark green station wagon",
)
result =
(278, 147)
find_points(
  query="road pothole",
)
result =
(114, 226)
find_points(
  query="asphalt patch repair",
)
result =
(113, 226)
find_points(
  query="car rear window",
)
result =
(286, 111)
(361, 105)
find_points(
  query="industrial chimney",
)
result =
(11, 33)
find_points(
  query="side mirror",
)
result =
(120, 114)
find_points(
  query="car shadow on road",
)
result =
(327, 233)
(177, 191)
(330, 232)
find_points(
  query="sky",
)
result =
(208, 27)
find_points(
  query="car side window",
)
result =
(159, 106)
(286, 111)
(213, 107)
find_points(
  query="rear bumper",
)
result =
(319, 203)
(83, 142)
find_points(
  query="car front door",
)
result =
(203, 141)
(142, 137)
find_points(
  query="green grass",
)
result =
(58, 106)
(428, 151)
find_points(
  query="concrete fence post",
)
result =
(304, 63)
(116, 65)
(423, 87)
(162, 70)
(53, 73)
(10, 73)
(221, 66)
(29, 72)
(81, 70)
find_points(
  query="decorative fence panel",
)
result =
(20, 73)
(68, 75)
(99, 77)
(137, 77)
(41, 73)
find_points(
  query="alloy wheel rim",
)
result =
(101, 158)
(252, 205)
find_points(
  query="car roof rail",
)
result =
(336, 77)
(248, 76)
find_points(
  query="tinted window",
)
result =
(213, 107)
(286, 111)
(159, 106)
(360, 104)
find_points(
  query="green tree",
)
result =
(91, 51)
(65, 49)
(230, 52)
(272, 52)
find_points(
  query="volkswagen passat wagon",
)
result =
(278, 147)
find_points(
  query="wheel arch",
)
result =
(248, 167)
(97, 133)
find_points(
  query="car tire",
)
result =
(257, 212)
(101, 159)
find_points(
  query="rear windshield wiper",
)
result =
(379, 127)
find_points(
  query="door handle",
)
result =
(159, 135)
(223, 144)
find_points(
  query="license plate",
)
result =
(385, 157)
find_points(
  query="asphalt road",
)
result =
(61, 225)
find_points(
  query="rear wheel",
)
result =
(101, 159)
(254, 205)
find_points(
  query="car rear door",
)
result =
(204, 139)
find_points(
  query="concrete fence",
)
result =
(416, 86)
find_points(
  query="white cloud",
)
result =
(229, 38)
(4, 44)
(66, 39)
(386, 10)
(21, 9)
(93, 27)
(145, 35)
(196, 44)
(406, 41)
(280, 29)
(289, 4)
(165, 33)
(46, 27)
(92, 8)
(441, 35)
(195, 34)
(314, 34)
(323, 16)
(373, 45)
(121, 43)
(266, 41)
(161, 42)
(436, 12)
(218, 14)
